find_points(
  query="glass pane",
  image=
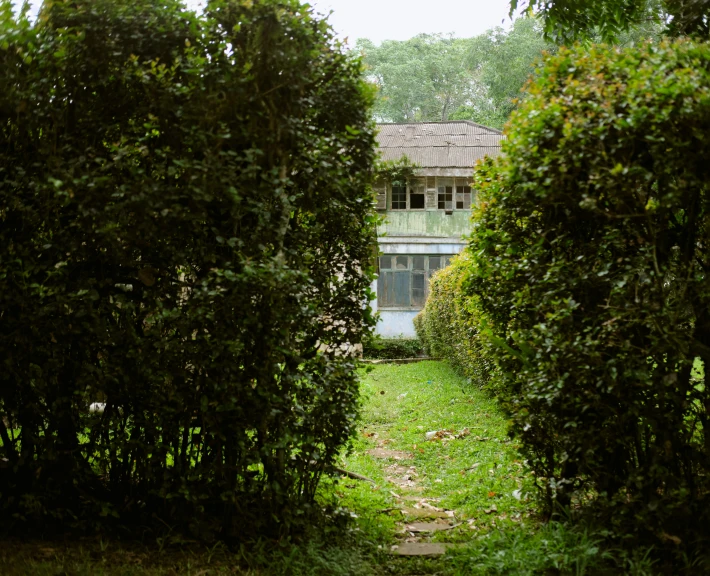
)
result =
(434, 263)
(418, 284)
(442, 197)
(385, 290)
(417, 262)
(399, 197)
(459, 205)
(385, 261)
(430, 181)
(402, 262)
(401, 288)
(416, 201)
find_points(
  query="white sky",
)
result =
(402, 19)
(381, 20)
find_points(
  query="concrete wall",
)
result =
(396, 324)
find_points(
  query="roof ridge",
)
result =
(468, 122)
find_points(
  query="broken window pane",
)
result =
(385, 261)
(445, 197)
(416, 201)
(399, 196)
(418, 262)
(417, 192)
(445, 193)
(463, 197)
(402, 262)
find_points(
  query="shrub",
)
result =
(392, 348)
(186, 235)
(589, 259)
(448, 326)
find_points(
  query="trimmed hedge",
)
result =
(186, 234)
(449, 327)
(589, 263)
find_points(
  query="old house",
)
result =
(426, 216)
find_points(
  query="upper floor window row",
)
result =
(432, 192)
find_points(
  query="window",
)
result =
(417, 194)
(404, 280)
(445, 193)
(399, 196)
(463, 194)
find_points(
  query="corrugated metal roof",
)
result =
(439, 144)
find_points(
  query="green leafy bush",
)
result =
(589, 261)
(186, 230)
(392, 348)
(449, 326)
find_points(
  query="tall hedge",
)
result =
(590, 261)
(186, 231)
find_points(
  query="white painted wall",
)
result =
(397, 324)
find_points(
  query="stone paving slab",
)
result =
(429, 526)
(423, 548)
(425, 513)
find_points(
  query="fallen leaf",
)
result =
(670, 538)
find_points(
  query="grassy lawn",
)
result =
(437, 454)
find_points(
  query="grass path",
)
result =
(438, 455)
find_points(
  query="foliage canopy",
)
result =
(566, 21)
(432, 77)
(186, 230)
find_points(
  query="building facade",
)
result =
(426, 216)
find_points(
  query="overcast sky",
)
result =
(401, 19)
(381, 20)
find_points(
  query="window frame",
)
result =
(456, 190)
(383, 284)
(399, 184)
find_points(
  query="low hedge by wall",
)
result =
(392, 349)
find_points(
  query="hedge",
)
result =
(186, 230)
(392, 348)
(589, 265)
(449, 325)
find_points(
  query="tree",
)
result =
(424, 78)
(435, 77)
(503, 62)
(566, 21)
